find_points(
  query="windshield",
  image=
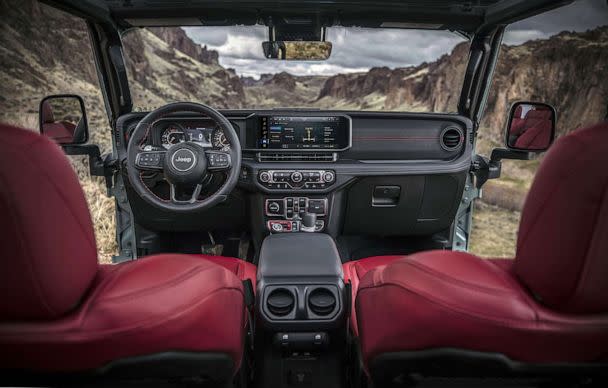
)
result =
(369, 69)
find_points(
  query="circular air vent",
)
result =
(280, 302)
(321, 301)
(451, 138)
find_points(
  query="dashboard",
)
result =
(362, 173)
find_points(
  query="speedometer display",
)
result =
(172, 135)
(220, 141)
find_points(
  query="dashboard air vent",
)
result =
(451, 138)
(297, 157)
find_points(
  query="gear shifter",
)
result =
(309, 221)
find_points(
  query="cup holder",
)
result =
(280, 302)
(321, 301)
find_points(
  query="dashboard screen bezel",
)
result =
(254, 126)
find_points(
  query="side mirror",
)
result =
(63, 119)
(531, 127)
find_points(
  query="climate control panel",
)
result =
(296, 179)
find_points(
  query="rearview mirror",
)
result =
(297, 50)
(63, 119)
(531, 126)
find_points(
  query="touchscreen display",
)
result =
(304, 132)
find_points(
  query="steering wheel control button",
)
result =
(218, 160)
(150, 159)
(183, 160)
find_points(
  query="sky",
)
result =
(358, 49)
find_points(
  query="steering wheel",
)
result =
(185, 165)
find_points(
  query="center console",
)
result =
(301, 311)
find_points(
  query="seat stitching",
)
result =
(450, 279)
(150, 290)
(506, 322)
(93, 335)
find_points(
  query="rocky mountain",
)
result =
(166, 65)
(44, 51)
(426, 87)
(568, 70)
(283, 90)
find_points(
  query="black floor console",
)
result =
(301, 312)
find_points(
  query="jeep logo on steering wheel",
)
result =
(183, 160)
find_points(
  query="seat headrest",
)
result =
(48, 256)
(518, 112)
(562, 246)
(539, 114)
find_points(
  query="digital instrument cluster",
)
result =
(203, 132)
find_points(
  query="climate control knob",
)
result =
(296, 177)
(328, 176)
(264, 176)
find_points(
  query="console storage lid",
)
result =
(297, 255)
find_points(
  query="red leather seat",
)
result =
(62, 312)
(518, 123)
(548, 306)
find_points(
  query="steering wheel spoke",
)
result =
(218, 160)
(150, 160)
(193, 198)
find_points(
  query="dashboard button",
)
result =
(274, 207)
(316, 206)
(264, 176)
(328, 176)
(296, 177)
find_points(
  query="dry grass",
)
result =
(504, 196)
(494, 231)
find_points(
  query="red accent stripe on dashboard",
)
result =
(398, 138)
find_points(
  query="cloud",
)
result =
(579, 16)
(359, 49)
